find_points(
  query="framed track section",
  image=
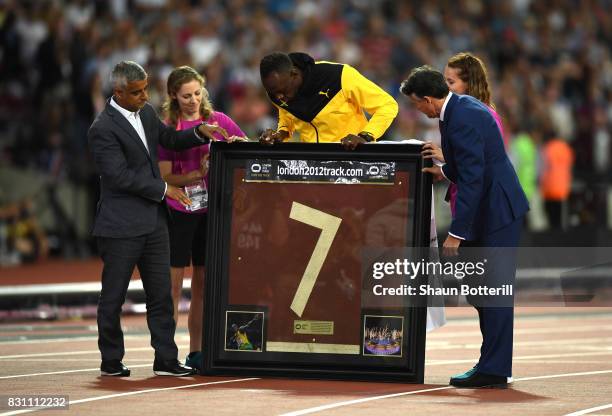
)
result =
(287, 293)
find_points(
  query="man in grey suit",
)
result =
(131, 220)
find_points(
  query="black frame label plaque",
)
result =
(319, 171)
(285, 280)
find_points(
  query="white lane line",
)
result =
(357, 401)
(427, 363)
(570, 354)
(52, 354)
(46, 327)
(131, 393)
(92, 337)
(590, 410)
(564, 318)
(80, 360)
(526, 331)
(565, 342)
(387, 396)
(67, 371)
(522, 357)
(59, 354)
(573, 361)
(74, 287)
(551, 344)
(431, 337)
(586, 373)
(600, 343)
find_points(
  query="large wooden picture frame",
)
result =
(286, 291)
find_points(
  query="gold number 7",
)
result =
(329, 228)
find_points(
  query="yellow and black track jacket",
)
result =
(330, 103)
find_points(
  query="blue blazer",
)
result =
(489, 195)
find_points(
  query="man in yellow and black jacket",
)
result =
(323, 101)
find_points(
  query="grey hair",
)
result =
(125, 72)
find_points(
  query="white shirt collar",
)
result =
(448, 97)
(126, 113)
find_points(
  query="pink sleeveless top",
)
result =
(185, 161)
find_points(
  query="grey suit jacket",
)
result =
(131, 187)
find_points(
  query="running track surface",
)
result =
(562, 366)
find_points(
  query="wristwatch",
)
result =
(200, 135)
(366, 136)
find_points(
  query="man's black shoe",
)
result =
(479, 380)
(114, 368)
(171, 368)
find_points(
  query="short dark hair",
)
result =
(125, 72)
(274, 62)
(425, 81)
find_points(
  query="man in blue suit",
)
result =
(489, 209)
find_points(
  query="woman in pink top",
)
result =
(465, 74)
(187, 106)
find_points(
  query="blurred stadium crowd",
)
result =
(549, 64)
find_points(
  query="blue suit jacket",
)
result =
(489, 195)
